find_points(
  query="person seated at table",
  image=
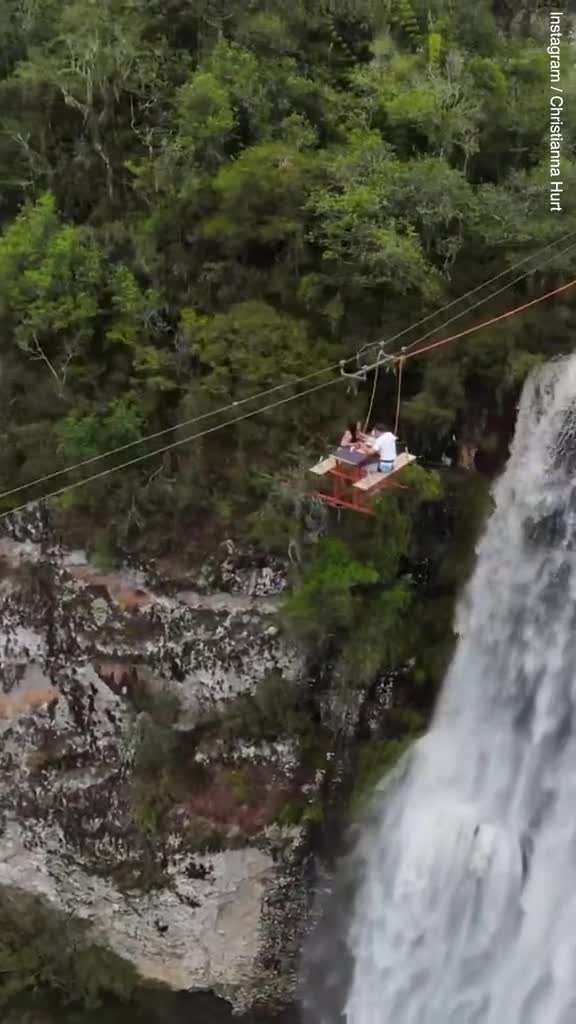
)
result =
(381, 457)
(352, 437)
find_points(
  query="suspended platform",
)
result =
(350, 486)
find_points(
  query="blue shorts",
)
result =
(380, 467)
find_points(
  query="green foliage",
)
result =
(152, 797)
(82, 436)
(250, 346)
(240, 783)
(354, 595)
(135, 308)
(405, 17)
(288, 515)
(423, 484)
(273, 710)
(327, 599)
(367, 240)
(44, 948)
(381, 638)
(431, 412)
(202, 204)
(218, 207)
(48, 276)
(373, 762)
(103, 554)
(520, 365)
(300, 811)
(260, 196)
(434, 47)
(206, 118)
(153, 788)
(155, 744)
(471, 501)
(236, 67)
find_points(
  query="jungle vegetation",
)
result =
(201, 201)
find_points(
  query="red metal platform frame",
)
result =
(345, 495)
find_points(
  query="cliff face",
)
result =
(189, 889)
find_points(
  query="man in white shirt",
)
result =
(382, 458)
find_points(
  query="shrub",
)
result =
(40, 946)
(273, 710)
(327, 598)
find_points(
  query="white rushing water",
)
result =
(466, 913)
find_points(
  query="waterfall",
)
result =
(465, 911)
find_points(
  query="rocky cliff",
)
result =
(106, 677)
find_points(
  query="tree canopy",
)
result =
(202, 203)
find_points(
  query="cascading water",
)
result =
(466, 908)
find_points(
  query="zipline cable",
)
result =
(488, 323)
(475, 305)
(272, 405)
(166, 448)
(469, 294)
(315, 373)
(406, 349)
(399, 395)
(372, 397)
(168, 430)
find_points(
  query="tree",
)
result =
(327, 600)
(250, 347)
(41, 947)
(199, 205)
(49, 276)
